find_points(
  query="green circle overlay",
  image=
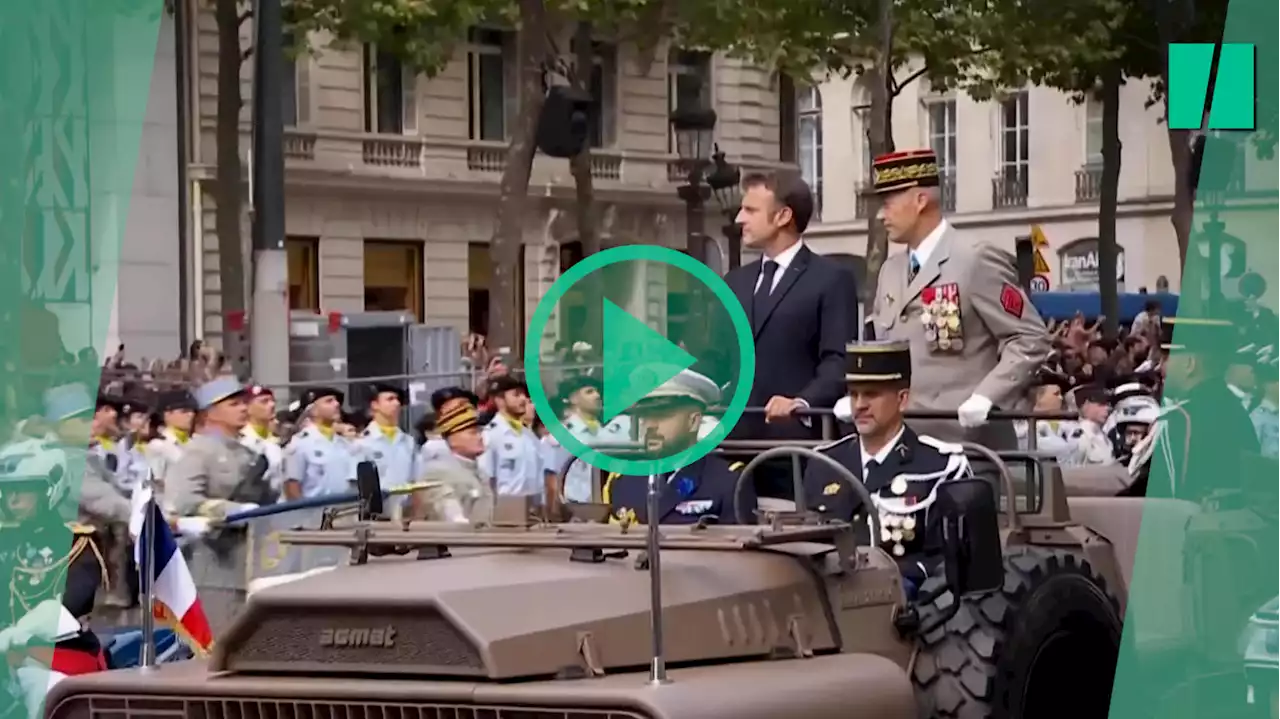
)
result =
(741, 329)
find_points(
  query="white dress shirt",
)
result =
(929, 244)
(784, 260)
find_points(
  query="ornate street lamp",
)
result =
(694, 128)
(726, 184)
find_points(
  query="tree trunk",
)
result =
(508, 231)
(580, 164)
(585, 210)
(1184, 198)
(881, 139)
(1107, 202)
(228, 179)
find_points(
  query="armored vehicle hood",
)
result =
(502, 614)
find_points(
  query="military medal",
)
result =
(885, 534)
(896, 535)
(899, 550)
(908, 523)
(898, 486)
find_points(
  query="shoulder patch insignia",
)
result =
(1011, 300)
(831, 489)
(737, 466)
(942, 447)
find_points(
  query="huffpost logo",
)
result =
(1191, 65)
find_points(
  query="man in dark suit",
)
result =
(803, 309)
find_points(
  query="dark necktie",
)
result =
(766, 287)
(869, 467)
(913, 267)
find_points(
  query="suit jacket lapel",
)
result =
(744, 286)
(788, 279)
(932, 268)
(897, 461)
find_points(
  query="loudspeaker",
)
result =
(565, 122)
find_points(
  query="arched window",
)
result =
(809, 110)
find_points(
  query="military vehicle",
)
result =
(790, 617)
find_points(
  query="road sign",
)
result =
(662, 312)
(1039, 283)
(1041, 265)
(1038, 239)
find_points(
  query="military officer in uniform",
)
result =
(318, 460)
(977, 342)
(901, 469)
(1087, 441)
(1196, 387)
(434, 447)
(216, 477)
(512, 453)
(178, 415)
(389, 448)
(459, 491)
(104, 442)
(136, 425)
(669, 418)
(53, 571)
(69, 417)
(259, 434)
(582, 419)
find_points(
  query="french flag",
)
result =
(176, 602)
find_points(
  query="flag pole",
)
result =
(148, 570)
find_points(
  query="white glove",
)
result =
(973, 412)
(13, 638)
(42, 621)
(245, 507)
(843, 410)
(193, 527)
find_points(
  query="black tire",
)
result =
(1044, 644)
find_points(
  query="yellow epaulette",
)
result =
(737, 466)
(80, 529)
(608, 485)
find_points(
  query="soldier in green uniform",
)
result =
(217, 476)
(53, 569)
(460, 492)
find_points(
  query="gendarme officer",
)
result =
(900, 469)
(669, 419)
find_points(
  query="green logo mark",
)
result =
(1234, 90)
(660, 312)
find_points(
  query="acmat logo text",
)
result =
(354, 638)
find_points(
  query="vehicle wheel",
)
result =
(1044, 644)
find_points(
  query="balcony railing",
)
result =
(408, 157)
(1009, 189)
(1088, 183)
(947, 185)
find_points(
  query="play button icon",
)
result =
(648, 314)
(627, 382)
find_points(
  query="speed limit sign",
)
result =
(1039, 283)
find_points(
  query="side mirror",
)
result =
(369, 491)
(970, 535)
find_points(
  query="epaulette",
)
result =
(942, 447)
(836, 443)
(737, 466)
(79, 529)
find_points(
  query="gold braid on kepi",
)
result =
(457, 419)
(900, 170)
(872, 362)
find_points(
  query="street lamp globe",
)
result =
(726, 183)
(694, 128)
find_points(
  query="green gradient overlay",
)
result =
(1207, 554)
(74, 82)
